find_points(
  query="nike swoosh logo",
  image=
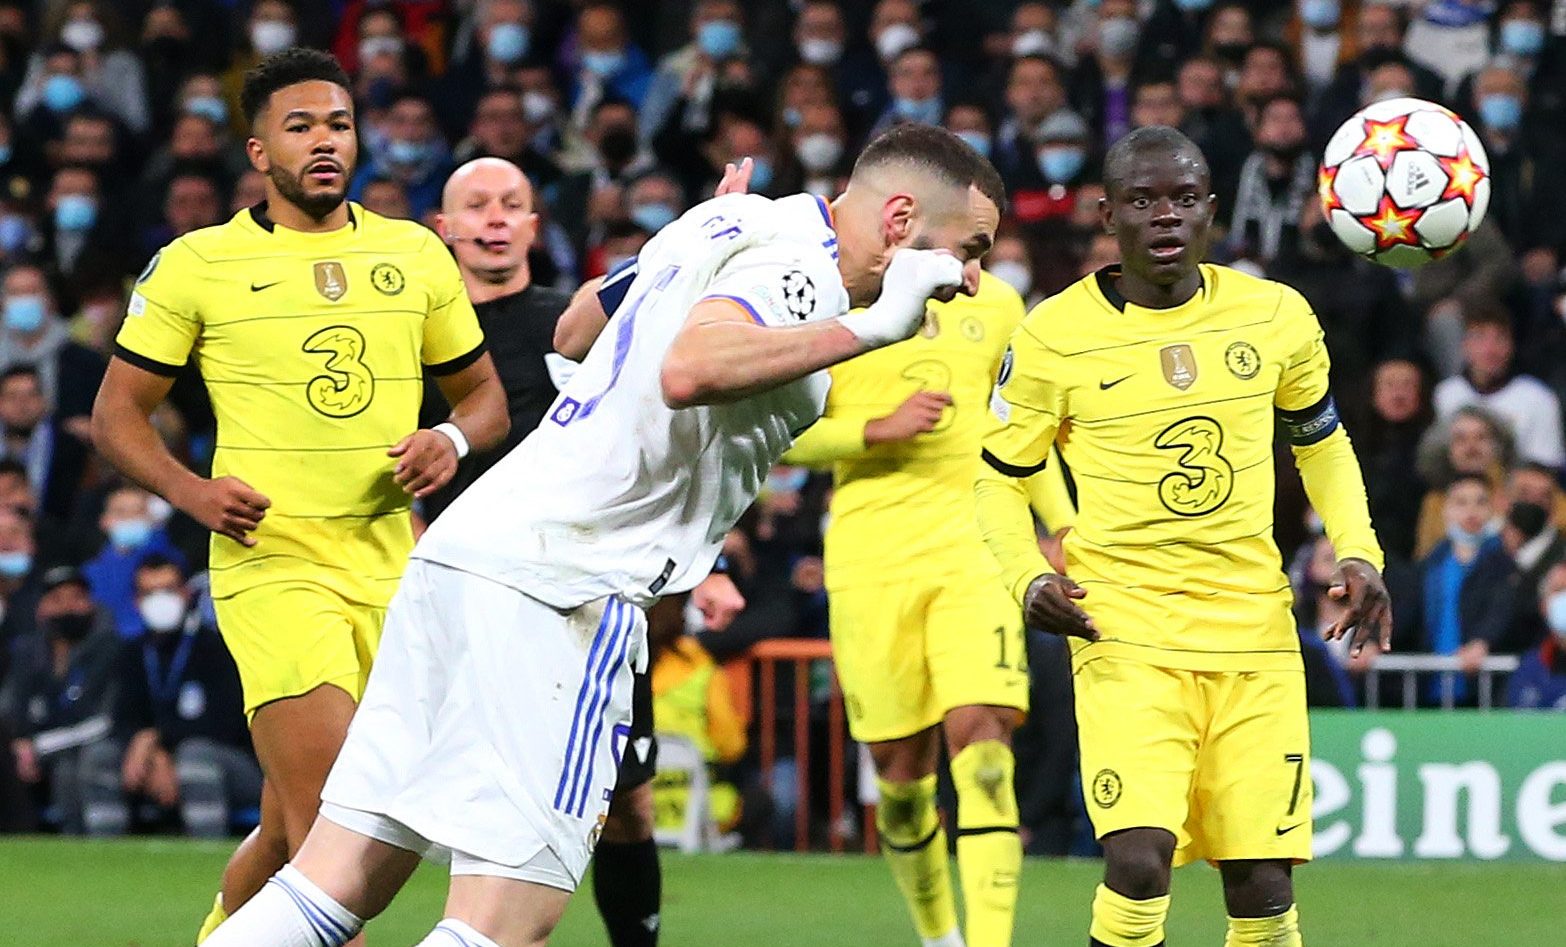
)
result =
(1289, 829)
(256, 289)
(1106, 385)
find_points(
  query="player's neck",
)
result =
(484, 287)
(285, 214)
(1149, 295)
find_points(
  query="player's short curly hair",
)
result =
(936, 151)
(289, 67)
(1149, 139)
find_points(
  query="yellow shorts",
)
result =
(907, 653)
(1219, 758)
(288, 638)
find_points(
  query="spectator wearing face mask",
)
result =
(915, 86)
(32, 333)
(1101, 90)
(82, 233)
(1539, 682)
(1450, 37)
(821, 160)
(58, 696)
(1035, 91)
(501, 38)
(687, 79)
(31, 435)
(413, 153)
(603, 61)
(1011, 263)
(1376, 38)
(1535, 546)
(131, 535)
(108, 73)
(19, 589)
(272, 27)
(1490, 380)
(180, 739)
(821, 39)
(1275, 182)
(1466, 595)
(1523, 154)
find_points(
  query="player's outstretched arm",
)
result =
(723, 354)
(123, 432)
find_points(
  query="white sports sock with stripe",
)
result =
(288, 911)
(453, 933)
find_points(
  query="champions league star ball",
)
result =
(1404, 182)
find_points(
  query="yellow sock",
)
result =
(915, 847)
(215, 918)
(989, 851)
(1119, 921)
(1280, 930)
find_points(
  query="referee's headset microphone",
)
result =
(452, 239)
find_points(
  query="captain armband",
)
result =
(1311, 425)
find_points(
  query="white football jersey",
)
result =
(616, 493)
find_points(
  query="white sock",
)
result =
(453, 933)
(952, 938)
(288, 911)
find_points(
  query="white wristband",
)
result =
(455, 435)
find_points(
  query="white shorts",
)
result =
(492, 726)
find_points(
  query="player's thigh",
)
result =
(513, 906)
(974, 646)
(1138, 736)
(1252, 794)
(297, 740)
(288, 638)
(878, 649)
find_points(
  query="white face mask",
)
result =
(819, 152)
(820, 52)
(162, 611)
(82, 35)
(1013, 273)
(271, 36)
(894, 39)
(537, 107)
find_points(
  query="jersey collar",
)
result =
(264, 220)
(1104, 279)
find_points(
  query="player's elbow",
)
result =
(570, 338)
(682, 382)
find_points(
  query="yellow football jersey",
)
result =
(908, 507)
(1166, 419)
(312, 346)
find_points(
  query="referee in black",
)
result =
(487, 219)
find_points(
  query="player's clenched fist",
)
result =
(919, 414)
(910, 281)
(226, 505)
(427, 460)
(1051, 605)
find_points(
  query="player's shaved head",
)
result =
(1156, 142)
(496, 175)
(911, 151)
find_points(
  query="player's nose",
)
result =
(970, 278)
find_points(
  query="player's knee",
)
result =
(1257, 888)
(907, 809)
(966, 726)
(987, 765)
(1137, 863)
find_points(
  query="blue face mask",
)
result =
(923, 111)
(5, 153)
(1522, 37)
(130, 534)
(1463, 537)
(408, 153)
(75, 213)
(208, 106)
(978, 141)
(792, 117)
(14, 565)
(1061, 165)
(509, 42)
(603, 64)
(24, 313)
(1555, 613)
(15, 232)
(1320, 14)
(760, 174)
(1500, 111)
(653, 217)
(719, 39)
(61, 93)
(1193, 6)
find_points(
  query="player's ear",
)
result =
(897, 218)
(256, 152)
(440, 228)
(1106, 216)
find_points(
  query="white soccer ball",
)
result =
(1404, 182)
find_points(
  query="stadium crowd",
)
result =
(120, 130)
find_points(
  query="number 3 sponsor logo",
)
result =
(347, 386)
(1205, 478)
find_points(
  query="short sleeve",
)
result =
(1028, 404)
(163, 320)
(452, 337)
(781, 284)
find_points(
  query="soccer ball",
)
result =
(1404, 182)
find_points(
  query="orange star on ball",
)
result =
(1462, 176)
(1325, 178)
(1392, 225)
(1385, 139)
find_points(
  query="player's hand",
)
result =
(736, 178)
(924, 273)
(226, 505)
(1054, 549)
(26, 756)
(427, 460)
(919, 414)
(1369, 615)
(718, 600)
(910, 281)
(1051, 605)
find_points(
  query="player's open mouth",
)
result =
(1165, 251)
(324, 172)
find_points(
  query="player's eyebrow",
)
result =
(977, 245)
(308, 115)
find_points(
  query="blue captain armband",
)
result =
(1311, 425)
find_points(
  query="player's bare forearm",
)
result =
(122, 430)
(582, 322)
(721, 355)
(478, 403)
